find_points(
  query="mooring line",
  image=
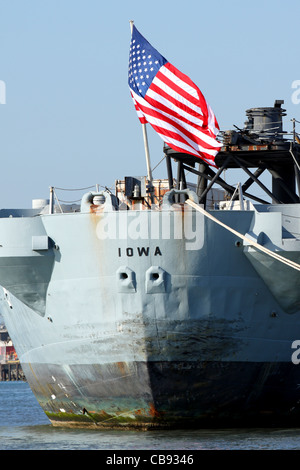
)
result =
(280, 258)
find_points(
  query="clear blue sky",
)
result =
(68, 120)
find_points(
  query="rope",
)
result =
(294, 158)
(68, 202)
(78, 189)
(158, 164)
(248, 240)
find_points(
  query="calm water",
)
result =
(24, 426)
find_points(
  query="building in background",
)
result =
(10, 368)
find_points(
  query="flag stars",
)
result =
(145, 62)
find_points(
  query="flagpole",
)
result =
(145, 136)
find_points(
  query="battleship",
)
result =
(166, 305)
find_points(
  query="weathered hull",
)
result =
(167, 394)
(147, 330)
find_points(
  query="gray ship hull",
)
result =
(169, 394)
(154, 318)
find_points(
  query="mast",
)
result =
(146, 145)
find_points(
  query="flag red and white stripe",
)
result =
(141, 117)
(174, 106)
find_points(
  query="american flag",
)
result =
(170, 102)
